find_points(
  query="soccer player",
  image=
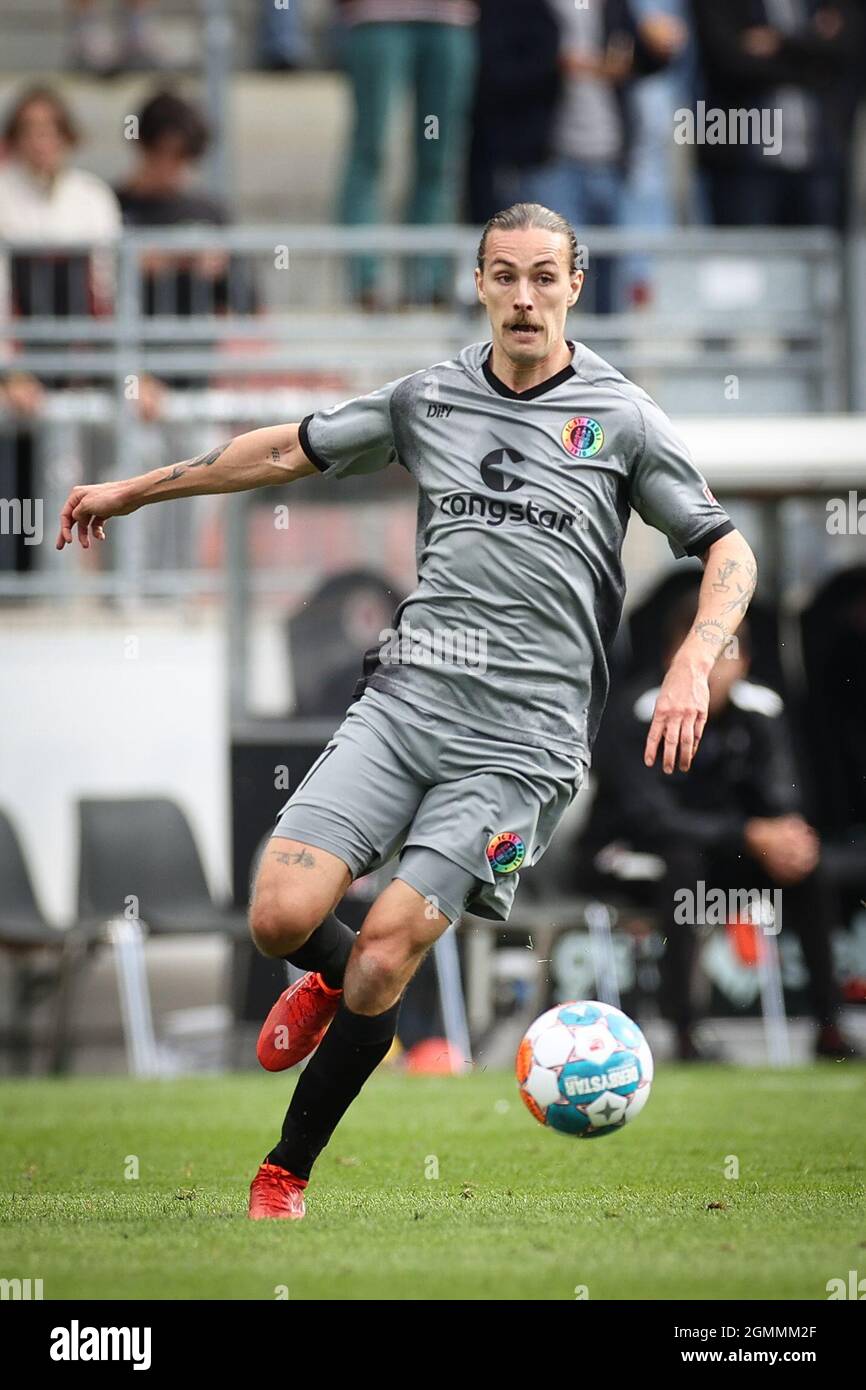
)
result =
(474, 730)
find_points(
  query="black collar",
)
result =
(529, 395)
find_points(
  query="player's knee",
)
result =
(379, 963)
(281, 923)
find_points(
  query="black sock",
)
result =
(350, 1051)
(327, 951)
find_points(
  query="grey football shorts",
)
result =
(464, 810)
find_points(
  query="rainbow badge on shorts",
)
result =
(506, 852)
(582, 437)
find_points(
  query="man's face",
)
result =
(39, 142)
(527, 289)
(169, 164)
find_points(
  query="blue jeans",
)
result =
(281, 34)
(588, 195)
(436, 63)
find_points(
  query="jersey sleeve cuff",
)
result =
(304, 439)
(709, 538)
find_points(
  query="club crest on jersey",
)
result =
(506, 852)
(582, 437)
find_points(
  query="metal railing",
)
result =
(779, 311)
(791, 279)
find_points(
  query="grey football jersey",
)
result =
(524, 500)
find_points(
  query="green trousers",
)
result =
(437, 62)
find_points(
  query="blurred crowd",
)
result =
(46, 201)
(573, 103)
(576, 105)
(776, 802)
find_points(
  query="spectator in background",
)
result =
(282, 39)
(516, 100)
(735, 822)
(97, 48)
(652, 101)
(42, 199)
(802, 58)
(603, 49)
(45, 201)
(427, 47)
(159, 192)
(834, 657)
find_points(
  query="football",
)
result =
(584, 1069)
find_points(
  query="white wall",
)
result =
(101, 704)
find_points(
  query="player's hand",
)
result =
(618, 59)
(211, 265)
(829, 22)
(663, 34)
(151, 398)
(577, 62)
(22, 394)
(787, 846)
(760, 41)
(88, 507)
(679, 717)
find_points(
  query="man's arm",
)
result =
(730, 575)
(260, 458)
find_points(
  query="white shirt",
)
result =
(74, 206)
(588, 125)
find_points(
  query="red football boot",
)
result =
(276, 1195)
(297, 1022)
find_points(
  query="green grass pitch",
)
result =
(516, 1212)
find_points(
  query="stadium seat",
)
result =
(21, 920)
(832, 628)
(28, 937)
(139, 864)
(138, 858)
(327, 638)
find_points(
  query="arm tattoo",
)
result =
(275, 455)
(203, 461)
(297, 856)
(713, 632)
(743, 588)
(726, 569)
